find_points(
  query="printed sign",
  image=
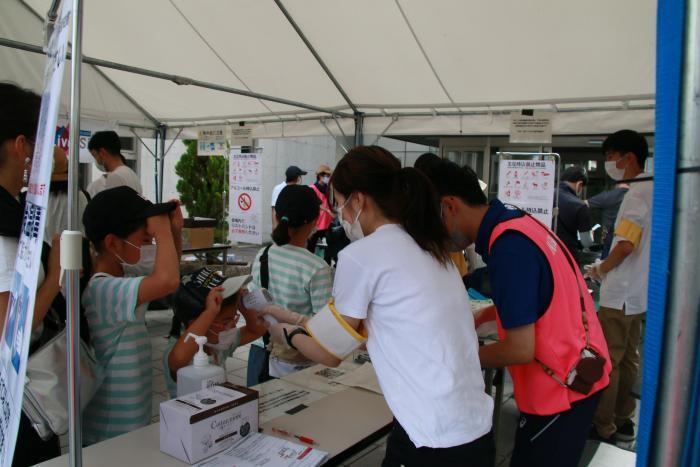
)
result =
(530, 185)
(531, 126)
(212, 142)
(245, 198)
(241, 136)
(14, 344)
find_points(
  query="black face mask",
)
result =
(11, 213)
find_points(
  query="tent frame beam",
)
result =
(313, 51)
(177, 79)
(51, 16)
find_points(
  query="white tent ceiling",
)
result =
(442, 66)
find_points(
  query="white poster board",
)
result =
(212, 141)
(241, 136)
(14, 344)
(529, 184)
(531, 127)
(245, 198)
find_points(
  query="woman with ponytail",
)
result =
(297, 279)
(396, 289)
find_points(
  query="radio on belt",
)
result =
(198, 425)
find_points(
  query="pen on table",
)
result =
(303, 439)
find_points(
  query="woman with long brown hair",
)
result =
(396, 288)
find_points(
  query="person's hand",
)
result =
(54, 265)
(277, 333)
(156, 225)
(594, 272)
(214, 299)
(177, 222)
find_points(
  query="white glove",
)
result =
(594, 272)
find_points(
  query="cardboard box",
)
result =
(201, 237)
(206, 422)
(200, 231)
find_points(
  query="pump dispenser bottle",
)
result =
(201, 374)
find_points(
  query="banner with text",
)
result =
(528, 184)
(245, 198)
(14, 344)
(212, 141)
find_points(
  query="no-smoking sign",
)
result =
(244, 201)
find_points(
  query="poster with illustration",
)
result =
(528, 184)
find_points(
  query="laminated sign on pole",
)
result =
(245, 198)
(14, 346)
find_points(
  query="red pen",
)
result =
(303, 439)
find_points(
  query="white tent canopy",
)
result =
(411, 66)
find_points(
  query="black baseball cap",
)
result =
(293, 172)
(297, 205)
(118, 211)
(190, 298)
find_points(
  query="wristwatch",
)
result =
(292, 334)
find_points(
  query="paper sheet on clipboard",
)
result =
(363, 377)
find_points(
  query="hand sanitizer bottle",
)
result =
(201, 374)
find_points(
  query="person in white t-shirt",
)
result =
(293, 176)
(625, 276)
(106, 148)
(396, 286)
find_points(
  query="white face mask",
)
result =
(227, 338)
(458, 241)
(326, 179)
(612, 170)
(353, 229)
(144, 266)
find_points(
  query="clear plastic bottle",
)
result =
(201, 374)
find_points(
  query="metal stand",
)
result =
(72, 275)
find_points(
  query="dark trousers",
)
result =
(30, 448)
(554, 440)
(400, 450)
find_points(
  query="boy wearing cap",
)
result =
(293, 176)
(118, 223)
(209, 304)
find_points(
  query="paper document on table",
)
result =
(258, 450)
(278, 397)
(364, 377)
(321, 378)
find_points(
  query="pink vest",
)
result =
(559, 332)
(324, 219)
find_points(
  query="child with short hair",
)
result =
(121, 225)
(209, 305)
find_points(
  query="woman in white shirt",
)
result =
(396, 284)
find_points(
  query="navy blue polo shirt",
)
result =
(519, 274)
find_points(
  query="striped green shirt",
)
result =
(299, 280)
(123, 347)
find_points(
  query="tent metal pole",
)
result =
(359, 122)
(177, 79)
(161, 161)
(682, 324)
(73, 275)
(313, 51)
(336, 138)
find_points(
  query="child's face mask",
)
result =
(146, 263)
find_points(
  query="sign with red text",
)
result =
(529, 185)
(245, 198)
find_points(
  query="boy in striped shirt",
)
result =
(121, 226)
